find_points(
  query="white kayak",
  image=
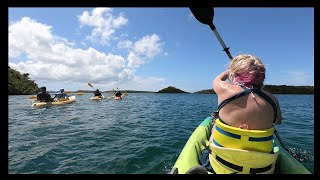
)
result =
(97, 97)
(69, 100)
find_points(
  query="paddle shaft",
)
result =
(279, 139)
(225, 48)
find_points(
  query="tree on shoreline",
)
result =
(20, 84)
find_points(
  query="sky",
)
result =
(149, 49)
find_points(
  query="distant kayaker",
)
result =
(243, 106)
(97, 93)
(44, 96)
(61, 95)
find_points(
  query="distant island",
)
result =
(274, 89)
(205, 91)
(110, 91)
(21, 84)
(171, 89)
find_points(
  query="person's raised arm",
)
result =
(219, 83)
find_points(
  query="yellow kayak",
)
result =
(96, 98)
(69, 100)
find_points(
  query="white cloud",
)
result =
(49, 58)
(143, 50)
(148, 46)
(104, 24)
(53, 58)
(124, 44)
(134, 61)
(35, 35)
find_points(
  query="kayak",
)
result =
(118, 97)
(69, 100)
(188, 158)
(96, 98)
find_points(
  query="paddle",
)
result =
(112, 96)
(89, 84)
(78, 93)
(205, 16)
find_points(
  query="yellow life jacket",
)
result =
(253, 140)
(229, 160)
(235, 150)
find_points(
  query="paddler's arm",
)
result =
(52, 99)
(219, 83)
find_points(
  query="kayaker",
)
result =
(61, 95)
(44, 96)
(243, 106)
(118, 93)
(97, 93)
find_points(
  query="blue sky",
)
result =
(152, 48)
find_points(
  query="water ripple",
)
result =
(141, 134)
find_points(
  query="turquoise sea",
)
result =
(141, 134)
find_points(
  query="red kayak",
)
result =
(117, 97)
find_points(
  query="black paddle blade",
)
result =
(203, 15)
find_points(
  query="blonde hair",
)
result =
(247, 70)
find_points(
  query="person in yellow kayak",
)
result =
(61, 95)
(97, 93)
(244, 120)
(44, 96)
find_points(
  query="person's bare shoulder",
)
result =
(220, 87)
(228, 90)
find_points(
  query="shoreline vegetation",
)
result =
(21, 84)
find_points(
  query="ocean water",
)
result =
(141, 134)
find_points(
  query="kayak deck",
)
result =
(96, 98)
(188, 158)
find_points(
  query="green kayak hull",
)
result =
(188, 158)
